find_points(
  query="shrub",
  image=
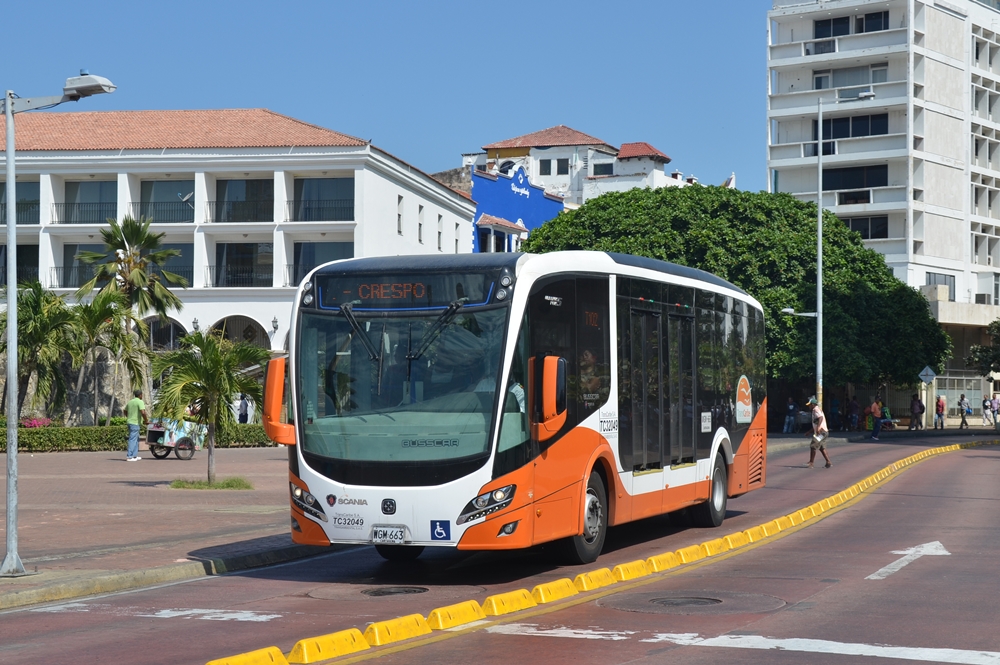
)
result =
(243, 436)
(31, 423)
(115, 420)
(58, 439)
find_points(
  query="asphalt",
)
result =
(92, 523)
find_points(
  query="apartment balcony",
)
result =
(832, 49)
(239, 276)
(296, 272)
(26, 212)
(228, 212)
(73, 277)
(804, 102)
(858, 201)
(83, 213)
(164, 212)
(187, 272)
(857, 147)
(24, 274)
(332, 210)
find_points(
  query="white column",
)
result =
(51, 190)
(279, 258)
(359, 213)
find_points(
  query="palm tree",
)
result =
(44, 337)
(206, 373)
(132, 263)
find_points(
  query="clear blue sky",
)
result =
(427, 81)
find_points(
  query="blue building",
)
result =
(507, 206)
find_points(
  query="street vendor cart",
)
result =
(181, 436)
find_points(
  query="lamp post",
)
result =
(76, 88)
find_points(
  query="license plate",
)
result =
(388, 535)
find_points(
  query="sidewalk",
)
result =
(93, 523)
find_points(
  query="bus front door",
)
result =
(681, 389)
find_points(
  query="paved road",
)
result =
(218, 616)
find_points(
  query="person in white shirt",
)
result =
(820, 434)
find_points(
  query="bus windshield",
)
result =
(399, 387)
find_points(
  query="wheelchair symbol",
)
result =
(440, 530)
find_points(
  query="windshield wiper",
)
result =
(346, 310)
(447, 316)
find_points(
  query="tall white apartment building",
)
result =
(252, 200)
(910, 94)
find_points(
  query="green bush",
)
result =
(115, 420)
(115, 437)
(244, 436)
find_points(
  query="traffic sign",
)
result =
(927, 375)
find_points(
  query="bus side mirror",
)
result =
(548, 396)
(274, 397)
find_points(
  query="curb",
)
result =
(137, 579)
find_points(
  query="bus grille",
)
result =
(755, 461)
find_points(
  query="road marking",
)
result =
(962, 656)
(574, 633)
(912, 554)
(213, 615)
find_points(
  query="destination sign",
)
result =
(391, 291)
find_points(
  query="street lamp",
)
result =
(864, 95)
(75, 89)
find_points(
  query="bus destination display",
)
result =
(392, 291)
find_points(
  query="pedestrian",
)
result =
(916, 412)
(790, 414)
(244, 408)
(876, 410)
(820, 434)
(994, 407)
(987, 410)
(853, 410)
(939, 412)
(134, 409)
(965, 409)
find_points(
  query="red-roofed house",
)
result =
(252, 200)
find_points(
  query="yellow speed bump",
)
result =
(662, 562)
(630, 571)
(268, 656)
(738, 539)
(505, 603)
(552, 591)
(595, 579)
(692, 553)
(395, 630)
(324, 647)
(455, 615)
(754, 533)
(713, 547)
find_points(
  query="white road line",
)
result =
(574, 633)
(213, 615)
(962, 656)
(912, 554)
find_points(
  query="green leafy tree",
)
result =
(206, 373)
(132, 264)
(985, 358)
(45, 335)
(875, 327)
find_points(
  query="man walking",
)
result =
(939, 412)
(916, 412)
(134, 409)
(994, 407)
(876, 410)
(820, 434)
(790, 414)
(987, 410)
(244, 414)
(965, 409)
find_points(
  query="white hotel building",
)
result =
(252, 200)
(911, 143)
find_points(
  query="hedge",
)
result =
(115, 437)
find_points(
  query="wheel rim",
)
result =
(594, 518)
(718, 492)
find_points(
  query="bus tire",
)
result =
(399, 552)
(586, 547)
(713, 512)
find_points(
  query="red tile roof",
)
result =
(641, 149)
(489, 221)
(145, 130)
(553, 136)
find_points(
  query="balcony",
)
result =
(799, 102)
(296, 272)
(227, 212)
(240, 276)
(26, 212)
(73, 277)
(165, 212)
(845, 44)
(857, 145)
(333, 210)
(24, 274)
(187, 272)
(83, 213)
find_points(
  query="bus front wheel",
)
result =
(712, 512)
(399, 552)
(585, 548)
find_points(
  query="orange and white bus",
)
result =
(500, 401)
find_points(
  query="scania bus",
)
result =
(500, 401)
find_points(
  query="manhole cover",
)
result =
(685, 602)
(394, 591)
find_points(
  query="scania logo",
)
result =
(345, 501)
(388, 506)
(331, 499)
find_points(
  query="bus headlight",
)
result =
(487, 503)
(306, 502)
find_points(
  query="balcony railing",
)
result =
(240, 276)
(26, 212)
(241, 211)
(332, 210)
(164, 212)
(83, 213)
(187, 272)
(73, 277)
(296, 272)
(24, 274)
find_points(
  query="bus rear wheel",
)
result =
(587, 547)
(399, 552)
(713, 512)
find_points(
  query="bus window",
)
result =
(593, 344)
(551, 312)
(514, 444)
